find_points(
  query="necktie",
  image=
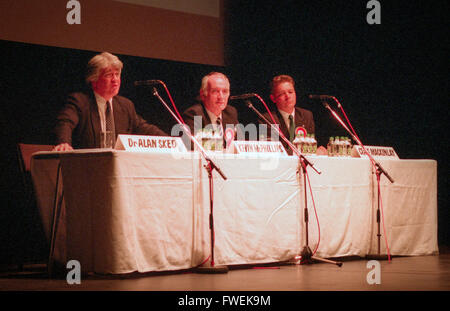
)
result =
(219, 126)
(220, 129)
(291, 128)
(109, 120)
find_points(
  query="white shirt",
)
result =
(101, 104)
(286, 115)
(213, 119)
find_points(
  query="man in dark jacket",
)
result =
(287, 115)
(213, 109)
(86, 115)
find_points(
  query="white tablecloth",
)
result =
(256, 210)
(410, 207)
(128, 212)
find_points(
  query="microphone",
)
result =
(147, 82)
(325, 104)
(321, 97)
(243, 96)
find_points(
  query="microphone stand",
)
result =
(378, 171)
(306, 253)
(210, 166)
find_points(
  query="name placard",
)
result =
(140, 143)
(257, 147)
(375, 152)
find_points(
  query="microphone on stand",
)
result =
(147, 82)
(325, 104)
(321, 97)
(324, 98)
(243, 96)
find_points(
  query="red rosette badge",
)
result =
(300, 129)
(229, 136)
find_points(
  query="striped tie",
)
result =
(219, 125)
(109, 120)
(291, 128)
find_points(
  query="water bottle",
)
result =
(336, 146)
(341, 146)
(218, 141)
(296, 142)
(306, 144)
(346, 146)
(207, 139)
(302, 143)
(314, 144)
(330, 146)
(345, 149)
(350, 147)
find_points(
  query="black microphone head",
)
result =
(321, 97)
(325, 104)
(243, 96)
(147, 82)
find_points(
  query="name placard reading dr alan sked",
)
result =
(140, 143)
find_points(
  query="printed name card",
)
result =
(138, 143)
(258, 147)
(375, 152)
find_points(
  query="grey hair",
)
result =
(99, 62)
(203, 87)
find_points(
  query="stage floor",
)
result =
(422, 273)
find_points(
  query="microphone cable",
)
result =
(267, 108)
(315, 212)
(307, 176)
(378, 180)
(172, 102)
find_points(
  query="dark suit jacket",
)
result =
(303, 118)
(229, 117)
(78, 123)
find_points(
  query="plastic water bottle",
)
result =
(342, 147)
(350, 147)
(306, 144)
(296, 142)
(346, 146)
(330, 146)
(336, 146)
(218, 141)
(314, 144)
(207, 139)
(302, 144)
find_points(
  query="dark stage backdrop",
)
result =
(34, 82)
(390, 78)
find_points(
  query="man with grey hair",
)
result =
(212, 109)
(86, 115)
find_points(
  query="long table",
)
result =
(130, 211)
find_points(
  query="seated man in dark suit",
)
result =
(213, 108)
(86, 115)
(287, 115)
